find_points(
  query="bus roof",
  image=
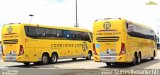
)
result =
(109, 19)
(57, 27)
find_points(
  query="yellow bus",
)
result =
(122, 41)
(29, 43)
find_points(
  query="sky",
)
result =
(62, 12)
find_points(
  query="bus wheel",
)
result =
(152, 58)
(89, 56)
(74, 59)
(134, 61)
(108, 64)
(36, 63)
(45, 59)
(26, 63)
(139, 58)
(54, 58)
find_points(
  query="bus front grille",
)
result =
(12, 41)
(107, 39)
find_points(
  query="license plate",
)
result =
(108, 59)
(112, 58)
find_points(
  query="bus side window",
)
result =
(86, 37)
(41, 32)
(30, 31)
(67, 34)
(141, 32)
(59, 33)
(51, 33)
(77, 35)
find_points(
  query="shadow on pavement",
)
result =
(144, 64)
(32, 65)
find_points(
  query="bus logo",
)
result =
(10, 29)
(107, 25)
(84, 46)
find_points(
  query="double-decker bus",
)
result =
(122, 41)
(29, 43)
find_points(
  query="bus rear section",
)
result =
(109, 41)
(12, 49)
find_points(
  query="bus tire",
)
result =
(89, 55)
(133, 63)
(54, 58)
(108, 64)
(45, 59)
(74, 59)
(152, 58)
(26, 63)
(36, 63)
(138, 58)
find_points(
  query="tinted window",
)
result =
(77, 35)
(139, 31)
(41, 32)
(72, 35)
(51, 32)
(30, 31)
(59, 33)
(67, 34)
(86, 37)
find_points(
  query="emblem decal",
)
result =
(10, 29)
(84, 46)
(107, 25)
